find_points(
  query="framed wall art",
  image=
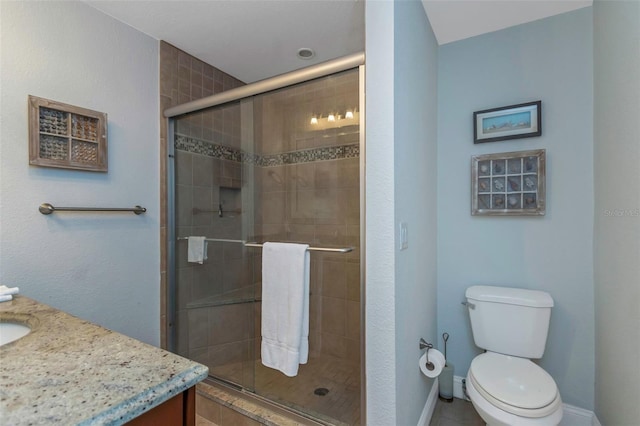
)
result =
(66, 136)
(510, 122)
(508, 184)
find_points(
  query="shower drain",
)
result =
(321, 391)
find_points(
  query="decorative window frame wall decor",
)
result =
(497, 124)
(508, 184)
(66, 136)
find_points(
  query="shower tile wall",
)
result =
(183, 78)
(210, 330)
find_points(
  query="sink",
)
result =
(12, 331)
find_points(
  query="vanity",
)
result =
(69, 371)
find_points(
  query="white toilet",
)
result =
(505, 386)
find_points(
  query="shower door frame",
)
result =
(278, 82)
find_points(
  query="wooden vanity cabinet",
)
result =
(177, 411)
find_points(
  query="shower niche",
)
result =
(230, 202)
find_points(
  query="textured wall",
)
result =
(400, 172)
(380, 247)
(415, 143)
(100, 267)
(550, 59)
(617, 210)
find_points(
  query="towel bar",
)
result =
(258, 245)
(46, 208)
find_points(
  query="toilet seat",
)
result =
(515, 385)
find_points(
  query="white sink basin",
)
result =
(12, 331)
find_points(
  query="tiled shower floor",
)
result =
(341, 405)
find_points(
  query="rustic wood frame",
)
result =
(493, 178)
(98, 161)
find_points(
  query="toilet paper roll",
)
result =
(436, 358)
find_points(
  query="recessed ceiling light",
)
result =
(306, 53)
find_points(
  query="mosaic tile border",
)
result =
(221, 152)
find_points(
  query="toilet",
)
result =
(504, 385)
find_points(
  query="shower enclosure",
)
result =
(277, 166)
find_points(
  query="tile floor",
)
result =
(456, 413)
(340, 406)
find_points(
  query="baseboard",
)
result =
(430, 405)
(576, 416)
(572, 415)
(457, 387)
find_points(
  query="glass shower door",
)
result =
(307, 190)
(284, 167)
(213, 198)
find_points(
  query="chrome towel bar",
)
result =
(258, 245)
(46, 208)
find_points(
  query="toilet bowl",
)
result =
(512, 391)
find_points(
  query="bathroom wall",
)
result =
(380, 308)
(415, 146)
(102, 267)
(401, 186)
(617, 210)
(551, 60)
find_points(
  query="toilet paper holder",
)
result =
(424, 344)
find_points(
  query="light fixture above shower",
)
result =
(332, 120)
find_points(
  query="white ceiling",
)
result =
(249, 39)
(256, 39)
(454, 20)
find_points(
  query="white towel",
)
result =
(197, 250)
(285, 306)
(6, 293)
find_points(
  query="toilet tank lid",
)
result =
(510, 296)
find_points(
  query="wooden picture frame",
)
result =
(510, 122)
(509, 184)
(66, 136)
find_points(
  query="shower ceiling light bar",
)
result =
(333, 117)
(294, 77)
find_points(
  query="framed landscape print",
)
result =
(510, 122)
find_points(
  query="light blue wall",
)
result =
(103, 268)
(415, 143)
(401, 86)
(617, 210)
(551, 60)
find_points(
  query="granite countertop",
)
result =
(70, 371)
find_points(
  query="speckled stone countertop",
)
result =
(69, 371)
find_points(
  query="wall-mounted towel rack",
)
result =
(258, 245)
(325, 249)
(46, 208)
(217, 240)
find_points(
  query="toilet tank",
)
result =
(510, 321)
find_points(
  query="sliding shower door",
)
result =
(282, 166)
(214, 198)
(307, 190)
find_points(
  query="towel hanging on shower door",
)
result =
(285, 306)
